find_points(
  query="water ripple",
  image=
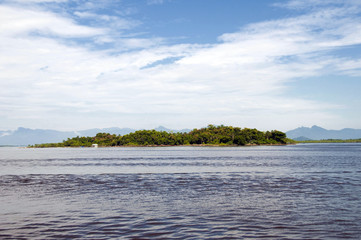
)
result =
(288, 193)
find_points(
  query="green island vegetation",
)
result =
(211, 135)
(332, 141)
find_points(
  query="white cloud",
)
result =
(37, 1)
(112, 22)
(239, 81)
(314, 4)
(19, 22)
(350, 67)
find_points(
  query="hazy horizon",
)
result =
(176, 129)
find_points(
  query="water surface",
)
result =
(306, 191)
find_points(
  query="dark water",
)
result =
(308, 191)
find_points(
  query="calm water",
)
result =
(310, 191)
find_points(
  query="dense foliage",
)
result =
(211, 135)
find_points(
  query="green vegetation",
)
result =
(332, 141)
(211, 135)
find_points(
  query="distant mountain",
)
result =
(164, 129)
(318, 133)
(25, 136)
(302, 138)
(113, 130)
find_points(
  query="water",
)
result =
(309, 191)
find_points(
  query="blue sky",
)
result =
(72, 65)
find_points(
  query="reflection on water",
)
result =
(284, 192)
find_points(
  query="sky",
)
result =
(80, 64)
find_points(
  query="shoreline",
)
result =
(210, 136)
(186, 145)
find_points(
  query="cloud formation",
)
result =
(56, 72)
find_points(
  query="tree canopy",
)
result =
(211, 135)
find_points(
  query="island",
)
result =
(208, 136)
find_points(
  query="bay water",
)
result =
(304, 191)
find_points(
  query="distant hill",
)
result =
(302, 138)
(164, 129)
(113, 130)
(319, 133)
(25, 136)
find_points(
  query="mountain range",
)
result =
(319, 133)
(25, 136)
